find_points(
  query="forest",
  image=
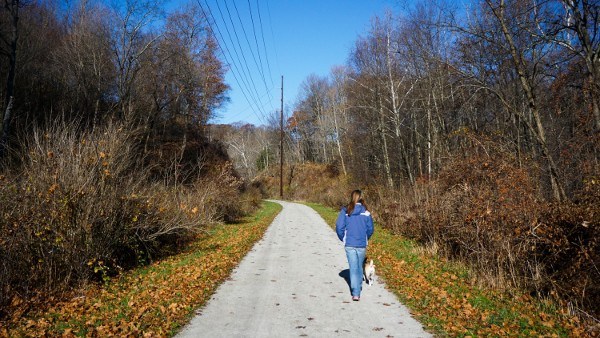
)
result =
(474, 131)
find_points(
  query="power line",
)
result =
(242, 111)
(272, 35)
(263, 41)
(244, 72)
(255, 40)
(245, 36)
(260, 68)
(226, 58)
(246, 69)
(238, 63)
(240, 46)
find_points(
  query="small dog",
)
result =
(369, 272)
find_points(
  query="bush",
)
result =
(79, 206)
(312, 182)
(485, 210)
(66, 212)
(568, 245)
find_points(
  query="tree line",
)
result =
(524, 73)
(87, 60)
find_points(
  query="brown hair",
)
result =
(355, 197)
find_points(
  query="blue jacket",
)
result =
(355, 229)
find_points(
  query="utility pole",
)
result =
(281, 145)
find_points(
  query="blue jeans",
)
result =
(356, 257)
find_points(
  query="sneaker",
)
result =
(355, 298)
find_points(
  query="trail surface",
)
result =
(294, 283)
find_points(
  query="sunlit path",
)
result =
(292, 284)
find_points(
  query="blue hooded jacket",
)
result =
(355, 229)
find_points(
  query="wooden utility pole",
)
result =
(281, 145)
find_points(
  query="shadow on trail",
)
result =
(345, 274)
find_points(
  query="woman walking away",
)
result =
(354, 226)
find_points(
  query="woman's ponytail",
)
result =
(355, 197)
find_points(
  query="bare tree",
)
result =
(575, 27)
(244, 148)
(130, 43)
(522, 67)
(370, 67)
(12, 7)
(82, 61)
(338, 99)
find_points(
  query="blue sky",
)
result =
(301, 37)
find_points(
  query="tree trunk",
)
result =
(539, 131)
(13, 8)
(418, 144)
(595, 97)
(429, 148)
(338, 141)
(590, 54)
(395, 110)
(406, 159)
(386, 156)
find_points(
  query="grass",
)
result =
(154, 300)
(443, 297)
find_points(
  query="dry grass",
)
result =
(307, 182)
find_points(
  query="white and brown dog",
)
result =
(369, 272)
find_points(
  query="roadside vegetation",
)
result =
(482, 239)
(154, 300)
(447, 298)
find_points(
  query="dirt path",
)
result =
(293, 283)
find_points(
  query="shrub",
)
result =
(312, 182)
(66, 211)
(485, 210)
(568, 245)
(79, 207)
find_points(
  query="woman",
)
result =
(354, 226)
